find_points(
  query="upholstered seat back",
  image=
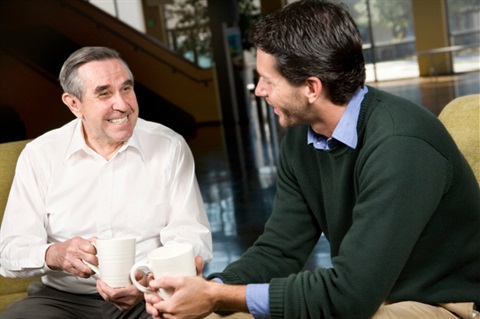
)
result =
(461, 117)
(10, 289)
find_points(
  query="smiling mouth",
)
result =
(119, 121)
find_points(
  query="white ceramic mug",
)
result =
(116, 257)
(175, 259)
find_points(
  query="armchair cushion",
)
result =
(10, 288)
(461, 117)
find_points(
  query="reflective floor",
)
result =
(236, 167)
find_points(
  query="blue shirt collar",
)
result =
(346, 130)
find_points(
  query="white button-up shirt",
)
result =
(62, 189)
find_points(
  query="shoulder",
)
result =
(391, 115)
(54, 141)
(155, 137)
(148, 130)
(382, 103)
(403, 128)
(48, 151)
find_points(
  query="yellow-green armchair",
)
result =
(10, 288)
(461, 117)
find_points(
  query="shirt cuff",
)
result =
(258, 300)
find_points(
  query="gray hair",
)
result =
(70, 81)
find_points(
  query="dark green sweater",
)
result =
(401, 212)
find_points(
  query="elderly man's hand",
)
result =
(123, 298)
(69, 255)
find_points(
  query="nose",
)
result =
(120, 103)
(260, 89)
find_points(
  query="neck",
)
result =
(106, 149)
(327, 119)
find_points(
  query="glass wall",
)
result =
(188, 30)
(464, 32)
(386, 26)
(187, 25)
(129, 11)
(388, 37)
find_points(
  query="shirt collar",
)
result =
(77, 143)
(346, 130)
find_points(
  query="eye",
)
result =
(264, 81)
(104, 95)
(127, 88)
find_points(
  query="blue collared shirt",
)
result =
(345, 132)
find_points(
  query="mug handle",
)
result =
(141, 265)
(92, 267)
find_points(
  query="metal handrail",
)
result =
(453, 48)
(449, 49)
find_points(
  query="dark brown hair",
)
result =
(314, 38)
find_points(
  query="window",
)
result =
(187, 25)
(388, 37)
(464, 31)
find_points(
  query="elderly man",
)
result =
(106, 174)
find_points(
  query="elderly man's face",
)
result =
(109, 108)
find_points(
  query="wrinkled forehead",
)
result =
(110, 72)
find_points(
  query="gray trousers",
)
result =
(45, 302)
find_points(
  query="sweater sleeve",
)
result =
(290, 235)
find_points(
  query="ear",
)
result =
(313, 87)
(72, 103)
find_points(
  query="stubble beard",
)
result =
(294, 113)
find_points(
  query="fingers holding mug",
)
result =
(175, 259)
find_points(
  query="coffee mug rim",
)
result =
(116, 239)
(185, 248)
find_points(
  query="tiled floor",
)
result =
(236, 167)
